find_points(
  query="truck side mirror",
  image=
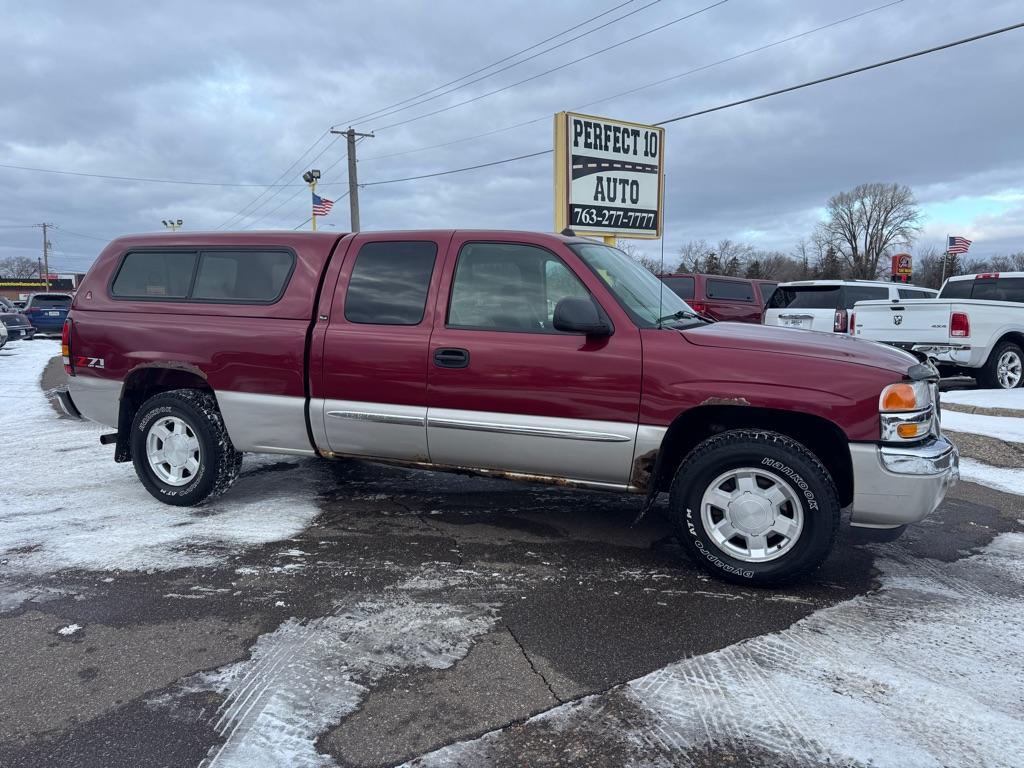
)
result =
(580, 315)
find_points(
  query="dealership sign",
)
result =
(902, 264)
(609, 177)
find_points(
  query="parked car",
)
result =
(3, 336)
(47, 311)
(6, 305)
(19, 305)
(16, 324)
(722, 298)
(437, 350)
(975, 327)
(824, 305)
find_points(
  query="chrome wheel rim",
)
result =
(752, 515)
(1009, 370)
(172, 449)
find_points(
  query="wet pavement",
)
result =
(397, 612)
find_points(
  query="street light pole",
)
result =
(311, 177)
(172, 224)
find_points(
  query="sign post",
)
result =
(609, 177)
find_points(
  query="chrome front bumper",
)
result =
(953, 354)
(896, 485)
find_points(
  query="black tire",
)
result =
(219, 463)
(988, 375)
(768, 453)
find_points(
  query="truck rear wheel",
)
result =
(755, 507)
(181, 450)
(1004, 368)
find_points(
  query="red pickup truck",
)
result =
(531, 356)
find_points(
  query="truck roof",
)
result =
(976, 275)
(286, 237)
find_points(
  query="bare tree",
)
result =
(829, 266)
(866, 223)
(19, 266)
(928, 267)
(692, 256)
(649, 263)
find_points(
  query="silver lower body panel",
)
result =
(97, 399)
(894, 486)
(265, 423)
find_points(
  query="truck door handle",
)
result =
(451, 357)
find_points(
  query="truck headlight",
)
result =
(907, 411)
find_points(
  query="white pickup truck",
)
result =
(975, 327)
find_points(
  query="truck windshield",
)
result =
(641, 294)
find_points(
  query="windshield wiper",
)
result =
(682, 314)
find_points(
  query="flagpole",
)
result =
(945, 258)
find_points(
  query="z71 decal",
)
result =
(89, 362)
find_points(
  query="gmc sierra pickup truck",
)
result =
(537, 357)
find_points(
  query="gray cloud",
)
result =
(236, 91)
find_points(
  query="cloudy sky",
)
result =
(236, 93)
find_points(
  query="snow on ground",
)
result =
(64, 503)
(305, 676)
(987, 398)
(999, 478)
(924, 672)
(1008, 428)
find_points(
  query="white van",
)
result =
(824, 305)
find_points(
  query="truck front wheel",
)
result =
(180, 448)
(755, 507)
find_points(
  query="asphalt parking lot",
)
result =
(353, 614)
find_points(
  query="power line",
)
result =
(638, 88)
(500, 61)
(283, 204)
(239, 216)
(143, 179)
(458, 170)
(381, 113)
(555, 69)
(80, 234)
(254, 205)
(847, 73)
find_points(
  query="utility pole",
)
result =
(46, 256)
(353, 183)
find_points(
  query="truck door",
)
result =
(372, 397)
(508, 392)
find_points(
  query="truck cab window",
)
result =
(509, 287)
(389, 283)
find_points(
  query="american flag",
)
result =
(957, 244)
(322, 206)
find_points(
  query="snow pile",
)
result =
(924, 672)
(69, 630)
(66, 504)
(1012, 399)
(999, 478)
(307, 675)
(1009, 428)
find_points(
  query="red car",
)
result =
(739, 299)
(522, 355)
